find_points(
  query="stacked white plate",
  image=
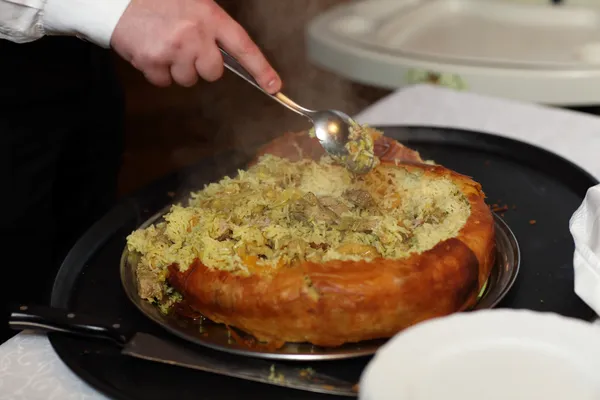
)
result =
(491, 355)
(523, 49)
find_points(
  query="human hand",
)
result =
(176, 40)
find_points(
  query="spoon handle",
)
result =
(234, 66)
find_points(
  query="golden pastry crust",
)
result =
(342, 301)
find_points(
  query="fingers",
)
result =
(209, 63)
(184, 70)
(158, 76)
(156, 73)
(236, 41)
(168, 45)
(182, 64)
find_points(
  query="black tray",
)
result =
(544, 187)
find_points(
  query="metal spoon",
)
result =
(332, 127)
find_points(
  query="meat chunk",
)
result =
(221, 231)
(149, 284)
(335, 205)
(309, 209)
(311, 199)
(319, 246)
(366, 225)
(360, 198)
(225, 235)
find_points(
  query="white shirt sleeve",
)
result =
(28, 20)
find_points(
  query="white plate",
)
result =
(534, 52)
(491, 355)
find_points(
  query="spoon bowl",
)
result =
(332, 129)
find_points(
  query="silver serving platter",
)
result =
(218, 337)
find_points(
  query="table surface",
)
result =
(31, 370)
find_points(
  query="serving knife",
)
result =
(148, 347)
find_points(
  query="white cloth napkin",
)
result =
(585, 228)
